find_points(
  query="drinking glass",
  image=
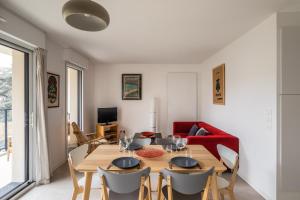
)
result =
(184, 142)
(169, 148)
(122, 145)
(180, 143)
(158, 141)
(128, 141)
(171, 139)
(188, 153)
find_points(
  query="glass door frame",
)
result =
(29, 111)
(79, 98)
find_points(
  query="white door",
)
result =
(182, 98)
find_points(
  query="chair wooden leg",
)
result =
(87, 185)
(170, 192)
(142, 188)
(221, 196)
(214, 187)
(104, 195)
(74, 195)
(206, 190)
(231, 195)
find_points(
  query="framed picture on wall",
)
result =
(219, 85)
(131, 86)
(53, 81)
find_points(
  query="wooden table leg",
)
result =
(214, 187)
(87, 185)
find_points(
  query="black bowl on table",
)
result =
(184, 162)
(126, 162)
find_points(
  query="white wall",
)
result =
(21, 30)
(134, 115)
(182, 92)
(250, 107)
(56, 116)
(56, 121)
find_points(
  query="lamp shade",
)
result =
(85, 15)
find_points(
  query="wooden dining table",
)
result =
(105, 154)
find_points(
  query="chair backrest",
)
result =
(191, 183)
(81, 138)
(124, 183)
(78, 154)
(228, 156)
(142, 142)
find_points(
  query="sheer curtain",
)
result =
(41, 172)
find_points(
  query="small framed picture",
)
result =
(131, 86)
(219, 85)
(53, 81)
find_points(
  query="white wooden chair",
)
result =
(75, 157)
(231, 159)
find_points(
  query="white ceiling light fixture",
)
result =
(85, 15)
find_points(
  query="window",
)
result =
(15, 109)
(74, 101)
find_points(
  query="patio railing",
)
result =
(4, 119)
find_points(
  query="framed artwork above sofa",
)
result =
(219, 85)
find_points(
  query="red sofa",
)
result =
(210, 141)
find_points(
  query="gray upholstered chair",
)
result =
(142, 142)
(125, 186)
(231, 159)
(185, 186)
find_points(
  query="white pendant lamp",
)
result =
(85, 15)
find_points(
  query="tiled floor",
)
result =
(61, 189)
(6, 167)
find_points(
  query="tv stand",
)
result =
(109, 132)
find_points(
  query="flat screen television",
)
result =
(107, 115)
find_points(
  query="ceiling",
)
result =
(152, 31)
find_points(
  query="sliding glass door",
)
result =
(74, 101)
(15, 69)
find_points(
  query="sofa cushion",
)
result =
(193, 130)
(202, 131)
